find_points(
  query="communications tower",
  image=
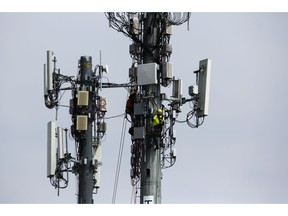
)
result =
(151, 112)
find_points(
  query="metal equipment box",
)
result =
(147, 74)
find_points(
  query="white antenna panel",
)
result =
(51, 149)
(49, 70)
(60, 149)
(97, 157)
(204, 87)
(45, 80)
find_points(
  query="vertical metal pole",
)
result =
(151, 161)
(85, 194)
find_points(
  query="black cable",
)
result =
(164, 134)
(119, 160)
(190, 115)
(64, 106)
(179, 121)
(116, 116)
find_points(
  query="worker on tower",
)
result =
(130, 104)
(130, 109)
(158, 119)
(157, 123)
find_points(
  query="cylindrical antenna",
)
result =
(100, 70)
(100, 57)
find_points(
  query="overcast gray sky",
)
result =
(239, 155)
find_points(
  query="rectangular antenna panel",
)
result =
(177, 89)
(167, 70)
(97, 156)
(83, 98)
(51, 149)
(50, 70)
(204, 87)
(45, 80)
(147, 74)
(82, 123)
(60, 147)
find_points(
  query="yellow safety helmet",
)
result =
(159, 111)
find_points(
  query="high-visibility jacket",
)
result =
(158, 120)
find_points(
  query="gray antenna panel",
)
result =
(204, 87)
(177, 89)
(51, 149)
